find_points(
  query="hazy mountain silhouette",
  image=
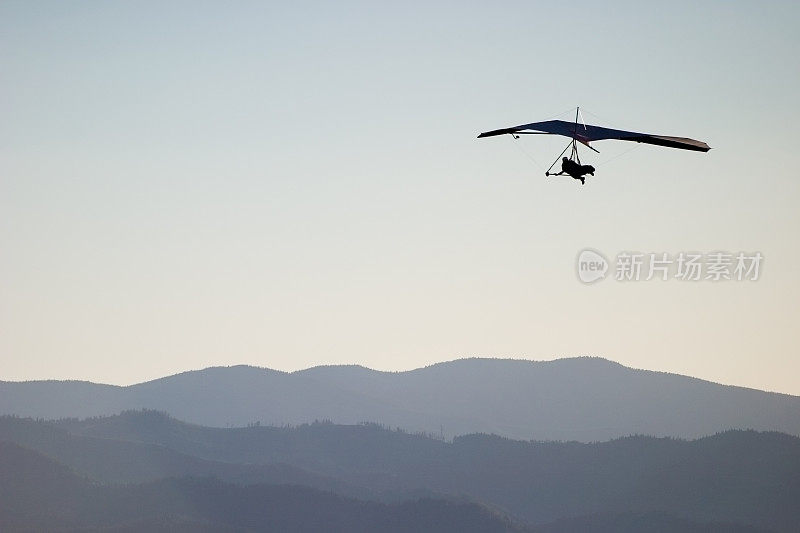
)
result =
(38, 493)
(741, 477)
(129, 459)
(582, 399)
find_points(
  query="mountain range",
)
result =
(582, 399)
(101, 472)
(38, 494)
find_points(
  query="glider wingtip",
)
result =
(495, 133)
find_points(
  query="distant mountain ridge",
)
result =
(584, 399)
(39, 494)
(745, 479)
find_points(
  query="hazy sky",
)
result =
(187, 184)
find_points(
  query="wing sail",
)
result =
(588, 133)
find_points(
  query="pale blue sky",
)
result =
(186, 184)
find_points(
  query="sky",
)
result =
(193, 184)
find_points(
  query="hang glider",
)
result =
(587, 133)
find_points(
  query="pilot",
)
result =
(576, 170)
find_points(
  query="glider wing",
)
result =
(588, 133)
